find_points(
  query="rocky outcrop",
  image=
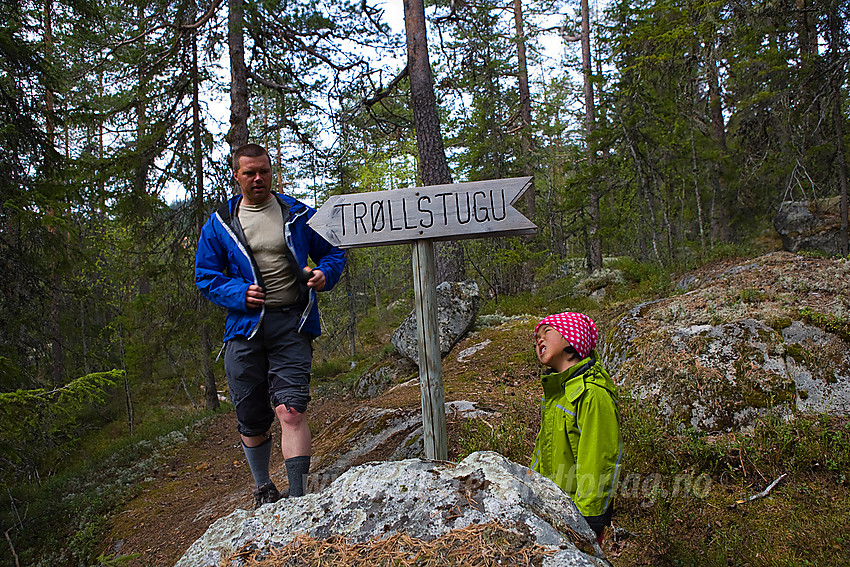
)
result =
(812, 226)
(376, 433)
(760, 337)
(596, 284)
(457, 307)
(382, 376)
(425, 499)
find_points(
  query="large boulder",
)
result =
(762, 337)
(424, 499)
(457, 307)
(812, 226)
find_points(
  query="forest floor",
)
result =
(804, 520)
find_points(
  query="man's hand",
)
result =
(317, 281)
(254, 297)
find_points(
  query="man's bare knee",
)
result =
(289, 417)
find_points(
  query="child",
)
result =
(579, 445)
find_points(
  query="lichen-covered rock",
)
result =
(813, 226)
(368, 434)
(598, 281)
(380, 377)
(376, 433)
(743, 342)
(457, 307)
(425, 499)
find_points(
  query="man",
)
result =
(252, 260)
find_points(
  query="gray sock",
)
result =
(258, 460)
(297, 469)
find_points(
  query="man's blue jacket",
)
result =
(225, 268)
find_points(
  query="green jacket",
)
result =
(579, 445)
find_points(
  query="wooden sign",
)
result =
(435, 212)
(420, 215)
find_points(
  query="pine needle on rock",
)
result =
(483, 545)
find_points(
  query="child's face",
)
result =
(550, 345)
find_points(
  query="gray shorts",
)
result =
(271, 369)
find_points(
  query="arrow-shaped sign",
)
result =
(436, 212)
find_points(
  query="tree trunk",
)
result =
(696, 193)
(836, 80)
(594, 244)
(808, 105)
(525, 107)
(721, 199)
(807, 41)
(210, 392)
(55, 293)
(141, 207)
(239, 109)
(433, 167)
(49, 102)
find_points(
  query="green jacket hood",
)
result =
(588, 370)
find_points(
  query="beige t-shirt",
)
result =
(263, 228)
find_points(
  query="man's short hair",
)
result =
(249, 150)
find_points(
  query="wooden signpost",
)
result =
(422, 215)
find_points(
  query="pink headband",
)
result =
(578, 329)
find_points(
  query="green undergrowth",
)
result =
(837, 325)
(507, 436)
(686, 498)
(61, 519)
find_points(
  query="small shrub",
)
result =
(330, 368)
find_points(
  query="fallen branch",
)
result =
(761, 494)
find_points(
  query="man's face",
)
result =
(255, 178)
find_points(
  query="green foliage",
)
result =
(507, 437)
(644, 435)
(644, 279)
(513, 305)
(116, 560)
(808, 443)
(837, 325)
(752, 295)
(36, 424)
(61, 520)
(711, 522)
(330, 369)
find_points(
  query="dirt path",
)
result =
(207, 479)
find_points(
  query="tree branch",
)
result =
(562, 31)
(271, 84)
(205, 18)
(761, 494)
(384, 93)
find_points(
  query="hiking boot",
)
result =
(266, 494)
